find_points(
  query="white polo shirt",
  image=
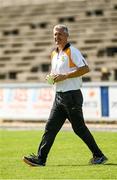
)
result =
(64, 62)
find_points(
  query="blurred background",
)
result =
(26, 37)
(26, 42)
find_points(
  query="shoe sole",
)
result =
(30, 163)
(103, 162)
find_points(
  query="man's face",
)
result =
(60, 37)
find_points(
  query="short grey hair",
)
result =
(62, 26)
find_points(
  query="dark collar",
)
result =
(66, 46)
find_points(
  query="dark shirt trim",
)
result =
(66, 46)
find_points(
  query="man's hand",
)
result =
(50, 78)
(59, 77)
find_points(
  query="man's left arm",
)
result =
(76, 73)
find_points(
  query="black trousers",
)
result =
(67, 105)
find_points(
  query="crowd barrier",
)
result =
(33, 101)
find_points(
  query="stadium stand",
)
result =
(26, 37)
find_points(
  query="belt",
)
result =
(65, 92)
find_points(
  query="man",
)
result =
(68, 65)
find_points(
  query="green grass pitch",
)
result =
(68, 158)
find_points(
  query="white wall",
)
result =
(34, 101)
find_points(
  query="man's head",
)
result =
(61, 34)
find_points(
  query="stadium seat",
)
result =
(26, 37)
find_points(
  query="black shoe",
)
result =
(33, 160)
(98, 160)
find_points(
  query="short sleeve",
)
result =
(78, 58)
